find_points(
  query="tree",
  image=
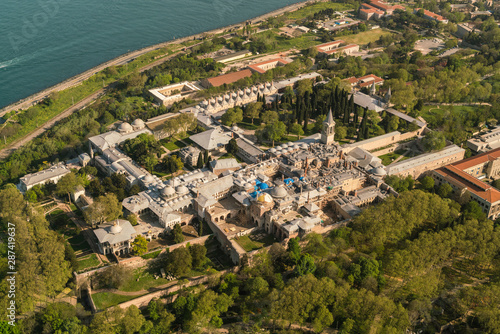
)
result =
(294, 250)
(444, 190)
(177, 234)
(113, 276)
(200, 163)
(104, 208)
(198, 255)
(179, 262)
(434, 141)
(427, 183)
(253, 109)
(296, 129)
(139, 245)
(269, 117)
(275, 131)
(340, 132)
(232, 146)
(67, 185)
(318, 125)
(132, 218)
(132, 320)
(232, 116)
(305, 265)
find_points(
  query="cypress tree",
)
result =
(200, 161)
(205, 158)
(346, 116)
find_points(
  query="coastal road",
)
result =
(120, 60)
(4, 153)
(77, 106)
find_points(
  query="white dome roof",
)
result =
(379, 171)
(182, 190)
(115, 229)
(273, 150)
(168, 191)
(125, 127)
(148, 178)
(279, 192)
(138, 123)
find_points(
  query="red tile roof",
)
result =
(428, 13)
(364, 81)
(257, 67)
(477, 159)
(454, 173)
(229, 78)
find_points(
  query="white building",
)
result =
(115, 238)
(53, 174)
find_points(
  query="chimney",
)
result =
(197, 194)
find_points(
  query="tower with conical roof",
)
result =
(328, 131)
(373, 90)
(388, 96)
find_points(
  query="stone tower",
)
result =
(328, 131)
(373, 90)
(388, 96)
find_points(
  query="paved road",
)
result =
(22, 141)
(4, 153)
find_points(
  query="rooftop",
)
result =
(211, 139)
(229, 78)
(113, 233)
(44, 175)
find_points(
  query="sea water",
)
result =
(43, 42)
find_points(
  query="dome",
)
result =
(264, 198)
(182, 190)
(304, 146)
(284, 146)
(115, 229)
(125, 127)
(279, 192)
(273, 150)
(167, 191)
(138, 123)
(148, 178)
(379, 171)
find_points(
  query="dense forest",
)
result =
(396, 266)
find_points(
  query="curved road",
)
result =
(4, 153)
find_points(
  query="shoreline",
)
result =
(129, 56)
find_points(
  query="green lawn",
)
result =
(388, 158)
(103, 300)
(78, 243)
(251, 242)
(230, 156)
(56, 212)
(173, 145)
(145, 282)
(310, 10)
(152, 255)
(365, 37)
(432, 113)
(90, 261)
(247, 126)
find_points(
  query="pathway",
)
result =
(4, 153)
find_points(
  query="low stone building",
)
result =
(115, 237)
(52, 174)
(223, 166)
(189, 155)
